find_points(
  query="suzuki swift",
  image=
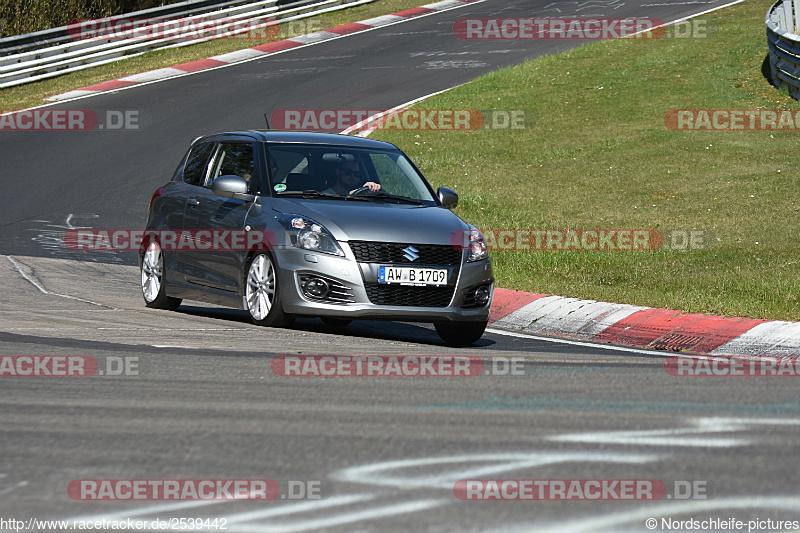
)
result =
(290, 224)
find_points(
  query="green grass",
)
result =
(600, 156)
(34, 94)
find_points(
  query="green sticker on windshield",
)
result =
(280, 187)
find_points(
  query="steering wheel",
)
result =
(359, 191)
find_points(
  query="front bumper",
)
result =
(357, 290)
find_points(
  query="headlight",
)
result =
(476, 245)
(309, 235)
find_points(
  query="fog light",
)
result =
(482, 295)
(316, 288)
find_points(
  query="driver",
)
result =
(348, 179)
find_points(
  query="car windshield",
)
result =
(346, 172)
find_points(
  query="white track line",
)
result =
(42, 289)
(21, 273)
(587, 344)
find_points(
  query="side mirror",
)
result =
(448, 197)
(230, 186)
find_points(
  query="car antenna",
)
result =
(269, 126)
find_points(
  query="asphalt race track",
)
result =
(194, 394)
(104, 179)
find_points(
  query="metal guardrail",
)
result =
(30, 41)
(783, 26)
(76, 54)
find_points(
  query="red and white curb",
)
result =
(645, 327)
(262, 50)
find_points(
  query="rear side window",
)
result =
(234, 159)
(196, 164)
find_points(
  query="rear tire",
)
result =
(153, 274)
(262, 297)
(460, 334)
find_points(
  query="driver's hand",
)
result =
(372, 186)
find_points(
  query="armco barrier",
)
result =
(784, 45)
(53, 36)
(41, 63)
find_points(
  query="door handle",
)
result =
(193, 201)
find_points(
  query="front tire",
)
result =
(460, 334)
(153, 275)
(262, 297)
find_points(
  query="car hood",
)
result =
(385, 222)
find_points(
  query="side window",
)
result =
(195, 168)
(178, 174)
(236, 159)
(393, 173)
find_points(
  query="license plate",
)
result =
(412, 276)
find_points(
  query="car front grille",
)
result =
(402, 295)
(394, 253)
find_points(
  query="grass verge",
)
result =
(601, 156)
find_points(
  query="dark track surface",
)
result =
(105, 179)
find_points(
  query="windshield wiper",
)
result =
(384, 195)
(317, 194)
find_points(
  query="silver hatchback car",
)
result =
(286, 224)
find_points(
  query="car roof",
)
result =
(303, 137)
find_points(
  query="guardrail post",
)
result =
(795, 26)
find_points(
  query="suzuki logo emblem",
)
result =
(411, 253)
